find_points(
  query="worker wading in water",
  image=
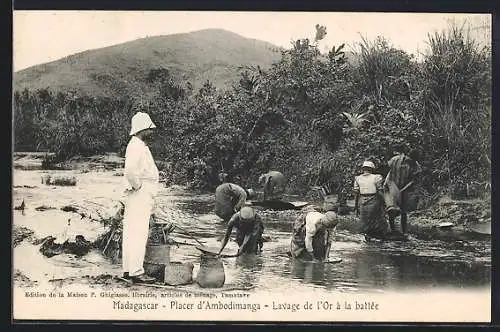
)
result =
(369, 202)
(249, 229)
(229, 199)
(273, 184)
(399, 182)
(312, 236)
(142, 176)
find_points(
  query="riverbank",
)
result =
(447, 219)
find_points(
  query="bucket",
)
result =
(157, 254)
(155, 260)
(211, 273)
(178, 273)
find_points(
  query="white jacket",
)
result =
(140, 168)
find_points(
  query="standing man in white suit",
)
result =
(142, 176)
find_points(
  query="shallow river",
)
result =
(367, 267)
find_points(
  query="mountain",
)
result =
(211, 54)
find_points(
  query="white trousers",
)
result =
(138, 210)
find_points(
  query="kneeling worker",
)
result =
(312, 236)
(249, 229)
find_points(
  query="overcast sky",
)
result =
(44, 36)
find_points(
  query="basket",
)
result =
(156, 271)
(155, 260)
(178, 273)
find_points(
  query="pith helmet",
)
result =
(368, 164)
(141, 121)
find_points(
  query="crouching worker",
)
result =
(229, 198)
(249, 229)
(312, 236)
(273, 184)
(369, 202)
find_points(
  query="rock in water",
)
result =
(49, 248)
(19, 234)
(211, 273)
(79, 248)
(55, 180)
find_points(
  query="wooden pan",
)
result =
(279, 205)
(482, 228)
(213, 251)
(334, 260)
(331, 260)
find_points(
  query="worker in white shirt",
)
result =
(369, 202)
(142, 176)
(312, 236)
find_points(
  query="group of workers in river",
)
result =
(375, 197)
(311, 232)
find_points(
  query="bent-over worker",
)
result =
(229, 199)
(142, 176)
(403, 172)
(312, 235)
(369, 200)
(249, 229)
(273, 184)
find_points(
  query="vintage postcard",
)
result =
(251, 166)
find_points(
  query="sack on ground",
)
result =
(211, 273)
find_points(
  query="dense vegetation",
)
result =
(312, 115)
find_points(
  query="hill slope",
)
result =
(122, 69)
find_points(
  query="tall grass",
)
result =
(456, 104)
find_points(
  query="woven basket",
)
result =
(155, 260)
(177, 273)
(156, 271)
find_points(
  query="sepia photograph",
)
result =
(251, 166)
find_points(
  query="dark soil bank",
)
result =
(447, 220)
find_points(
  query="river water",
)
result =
(367, 267)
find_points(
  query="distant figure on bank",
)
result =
(273, 184)
(249, 229)
(229, 199)
(312, 236)
(369, 202)
(403, 172)
(142, 176)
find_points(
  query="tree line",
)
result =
(313, 115)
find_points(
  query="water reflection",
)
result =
(308, 272)
(367, 266)
(372, 267)
(435, 272)
(248, 269)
